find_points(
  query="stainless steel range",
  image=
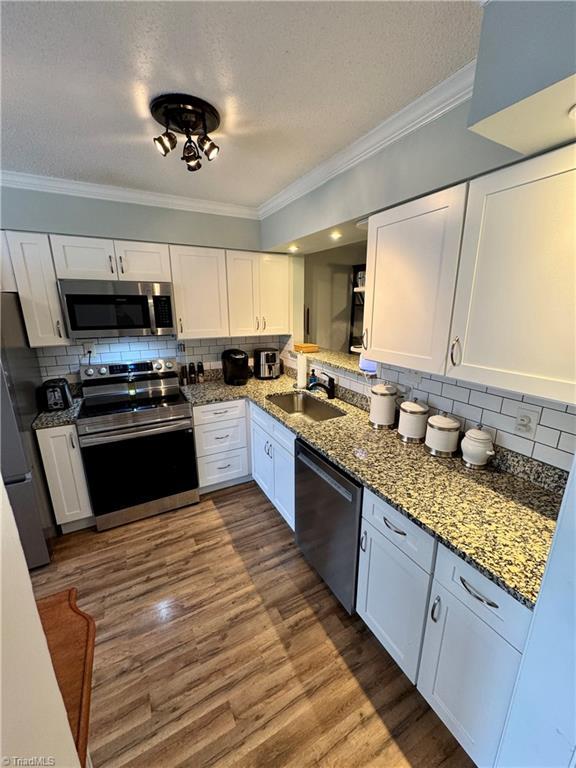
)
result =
(137, 440)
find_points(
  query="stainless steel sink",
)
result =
(305, 406)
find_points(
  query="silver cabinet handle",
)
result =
(220, 413)
(111, 264)
(393, 528)
(364, 541)
(58, 328)
(365, 339)
(226, 466)
(121, 265)
(221, 437)
(435, 612)
(263, 323)
(181, 327)
(257, 324)
(72, 443)
(478, 595)
(455, 340)
(266, 447)
(270, 450)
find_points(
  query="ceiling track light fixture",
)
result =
(188, 115)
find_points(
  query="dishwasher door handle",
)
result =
(325, 476)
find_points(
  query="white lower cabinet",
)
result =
(64, 470)
(222, 467)
(273, 462)
(221, 444)
(392, 598)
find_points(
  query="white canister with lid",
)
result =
(383, 406)
(412, 423)
(442, 435)
(477, 448)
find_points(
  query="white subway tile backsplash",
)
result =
(565, 422)
(455, 393)
(431, 386)
(484, 400)
(469, 412)
(500, 392)
(553, 456)
(567, 442)
(547, 436)
(553, 404)
(514, 443)
(499, 421)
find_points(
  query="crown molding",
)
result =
(36, 183)
(430, 106)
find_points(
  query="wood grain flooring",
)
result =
(217, 645)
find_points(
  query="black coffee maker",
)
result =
(235, 367)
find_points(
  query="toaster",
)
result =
(54, 395)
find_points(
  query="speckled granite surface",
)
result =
(500, 523)
(340, 360)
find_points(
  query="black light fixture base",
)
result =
(185, 114)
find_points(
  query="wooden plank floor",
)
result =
(217, 645)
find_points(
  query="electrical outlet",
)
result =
(86, 349)
(526, 422)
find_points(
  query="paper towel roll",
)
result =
(301, 379)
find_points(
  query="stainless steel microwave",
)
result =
(116, 308)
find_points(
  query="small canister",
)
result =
(442, 435)
(477, 448)
(383, 406)
(413, 419)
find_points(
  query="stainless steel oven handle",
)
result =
(325, 476)
(133, 433)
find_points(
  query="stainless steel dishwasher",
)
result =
(328, 511)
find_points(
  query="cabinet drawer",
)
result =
(406, 535)
(220, 436)
(261, 418)
(283, 436)
(486, 599)
(232, 409)
(222, 467)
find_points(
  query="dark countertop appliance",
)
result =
(235, 367)
(54, 395)
(266, 363)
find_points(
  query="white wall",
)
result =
(33, 721)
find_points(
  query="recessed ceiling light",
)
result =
(336, 235)
(293, 248)
(572, 112)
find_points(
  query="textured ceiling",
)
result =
(295, 82)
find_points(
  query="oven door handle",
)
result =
(133, 433)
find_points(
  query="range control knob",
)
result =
(169, 365)
(103, 371)
(158, 366)
(89, 371)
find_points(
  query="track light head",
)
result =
(191, 156)
(207, 146)
(165, 143)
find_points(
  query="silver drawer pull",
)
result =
(219, 413)
(221, 437)
(58, 328)
(470, 589)
(435, 612)
(363, 541)
(455, 341)
(72, 443)
(393, 528)
(111, 265)
(226, 466)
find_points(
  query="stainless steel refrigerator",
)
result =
(19, 458)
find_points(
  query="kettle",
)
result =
(477, 448)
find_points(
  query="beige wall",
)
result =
(33, 721)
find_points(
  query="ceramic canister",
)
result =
(442, 434)
(383, 406)
(477, 448)
(413, 420)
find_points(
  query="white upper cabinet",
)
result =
(412, 263)
(259, 291)
(243, 270)
(37, 288)
(274, 293)
(146, 262)
(199, 279)
(514, 323)
(83, 258)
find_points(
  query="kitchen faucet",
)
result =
(329, 388)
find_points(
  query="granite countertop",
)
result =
(500, 523)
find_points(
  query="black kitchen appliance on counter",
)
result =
(266, 363)
(235, 367)
(54, 395)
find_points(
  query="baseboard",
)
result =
(225, 484)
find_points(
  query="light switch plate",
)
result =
(526, 422)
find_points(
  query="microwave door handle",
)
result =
(153, 326)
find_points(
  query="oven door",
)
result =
(139, 471)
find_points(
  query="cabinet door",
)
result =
(283, 499)
(514, 313)
(83, 258)
(262, 462)
(37, 288)
(412, 262)
(7, 279)
(274, 293)
(149, 262)
(243, 270)
(199, 278)
(467, 673)
(65, 473)
(392, 597)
